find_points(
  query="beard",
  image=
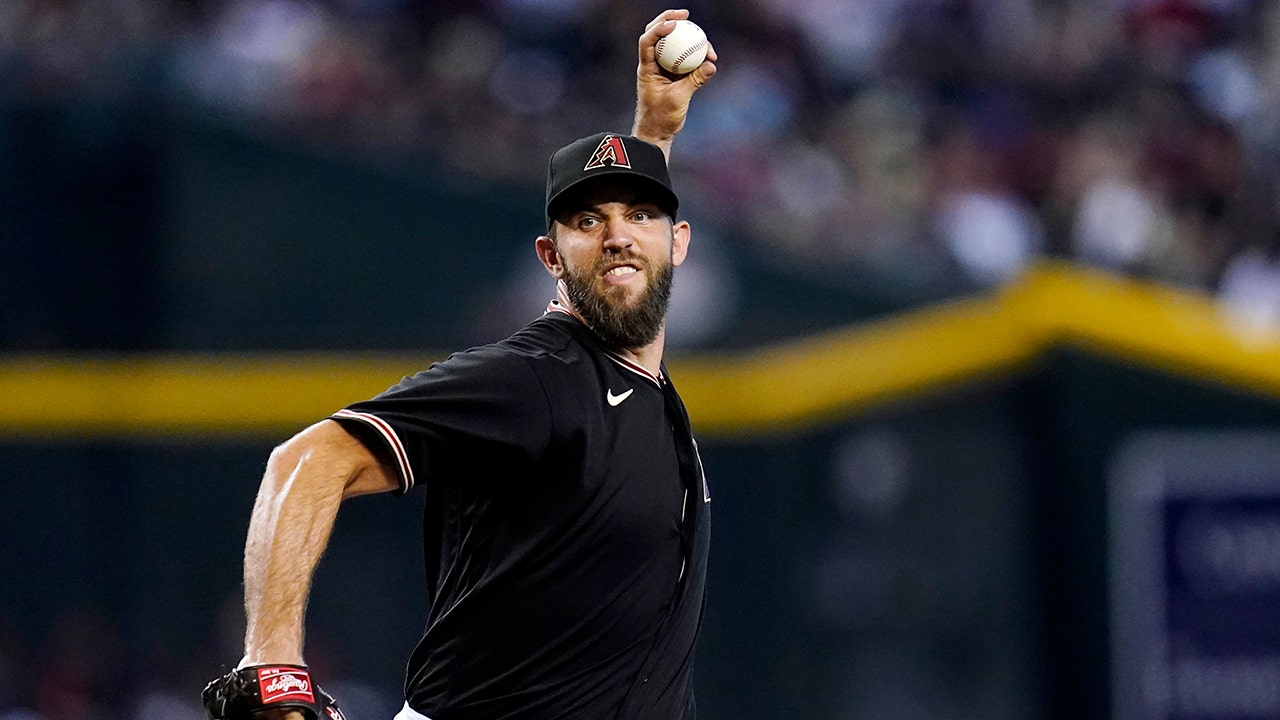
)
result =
(618, 324)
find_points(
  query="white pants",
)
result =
(408, 713)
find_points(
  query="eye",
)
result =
(587, 222)
(643, 216)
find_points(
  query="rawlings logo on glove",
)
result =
(245, 692)
(280, 684)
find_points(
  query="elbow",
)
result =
(285, 458)
(305, 460)
(327, 459)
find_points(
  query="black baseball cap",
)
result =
(609, 155)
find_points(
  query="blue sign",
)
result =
(1195, 577)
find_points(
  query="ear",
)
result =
(680, 236)
(546, 250)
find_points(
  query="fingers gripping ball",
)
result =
(245, 692)
(683, 49)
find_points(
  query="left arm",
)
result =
(662, 99)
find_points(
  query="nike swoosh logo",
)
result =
(616, 400)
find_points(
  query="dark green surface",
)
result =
(975, 587)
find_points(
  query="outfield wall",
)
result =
(909, 515)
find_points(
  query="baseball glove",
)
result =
(245, 692)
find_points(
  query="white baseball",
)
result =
(683, 49)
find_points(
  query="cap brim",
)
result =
(662, 195)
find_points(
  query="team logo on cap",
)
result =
(610, 151)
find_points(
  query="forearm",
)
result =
(292, 520)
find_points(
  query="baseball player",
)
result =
(566, 519)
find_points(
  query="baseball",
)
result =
(683, 49)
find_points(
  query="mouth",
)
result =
(620, 273)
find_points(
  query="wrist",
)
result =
(652, 129)
(252, 659)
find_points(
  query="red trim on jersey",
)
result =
(634, 367)
(555, 306)
(561, 304)
(388, 434)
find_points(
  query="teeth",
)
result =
(623, 270)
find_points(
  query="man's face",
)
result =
(616, 254)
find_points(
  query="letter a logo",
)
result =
(611, 151)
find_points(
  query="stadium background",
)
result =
(951, 257)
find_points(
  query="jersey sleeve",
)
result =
(476, 408)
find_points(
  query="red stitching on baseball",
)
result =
(685, 55)
(675, 66)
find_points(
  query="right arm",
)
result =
(662, 99)
(307, 478)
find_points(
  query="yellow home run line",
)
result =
(772, 389)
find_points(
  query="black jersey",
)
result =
(566, 529)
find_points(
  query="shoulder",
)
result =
(550, 335)
(528, 355)
(553, 344)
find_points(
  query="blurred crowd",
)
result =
(925, 139)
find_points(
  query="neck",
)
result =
(648, 357)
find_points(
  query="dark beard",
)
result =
(624, 328)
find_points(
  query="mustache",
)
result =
(628, 257)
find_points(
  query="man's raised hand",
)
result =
(662, 99)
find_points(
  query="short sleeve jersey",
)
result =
(566, 529)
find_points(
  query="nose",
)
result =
(617, 236)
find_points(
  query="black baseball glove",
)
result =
(245, 692)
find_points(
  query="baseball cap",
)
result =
(609, 155)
